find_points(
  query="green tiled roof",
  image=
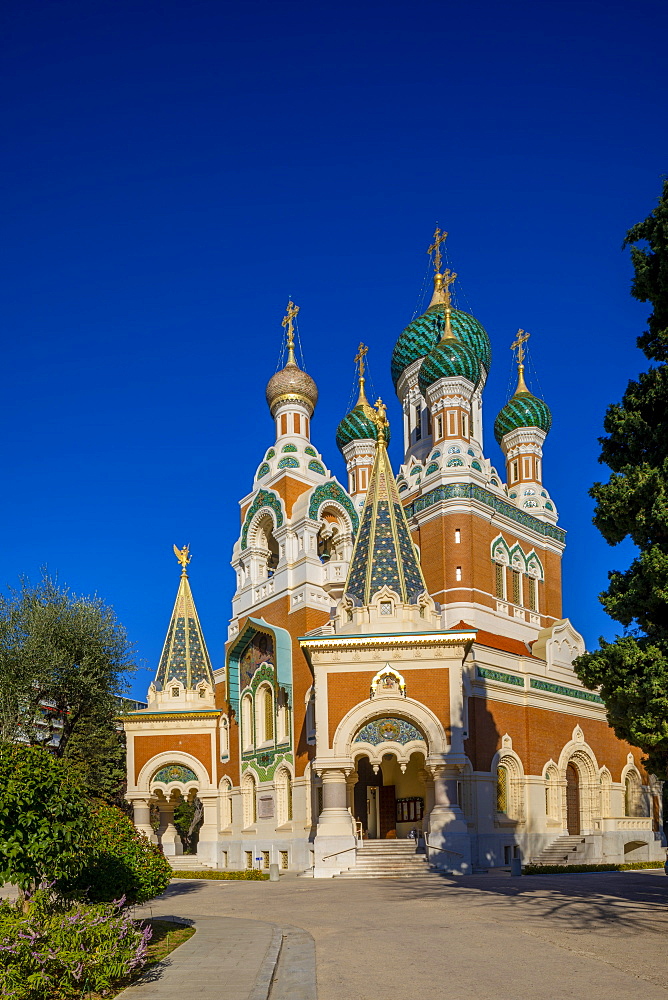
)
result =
(184, 656)
(449, 359)
(424, 333)
(523, 410)
(357, 426)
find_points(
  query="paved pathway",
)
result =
(475, 938)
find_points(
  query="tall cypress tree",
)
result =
(632, 671)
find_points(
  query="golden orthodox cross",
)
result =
(359, 358)
(448, 278)
(287, 322)
(435, 248)
(518, 345)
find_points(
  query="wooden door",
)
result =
(388, 811)
(572, 799)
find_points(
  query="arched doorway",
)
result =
(389, 797)
(572, 799)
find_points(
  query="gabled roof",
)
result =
(384, 554)
(184, 655)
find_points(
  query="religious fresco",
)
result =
(259, 650)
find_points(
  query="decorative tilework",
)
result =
(548, 506)
(540, 685)
(416, 471)
(174, 772)
(433, 467)
(388, 730)
(476, 465)
(308, 450)
(265, 763)
(288, 463)
(425, 332)
(289, 447)
(471, 452)
(523, 410)
(496, 675)
(472, 492)
(435, 454)
(403, 487)
(454, 461)
(332, 491)
(263, 470)
(316, 467)
(270, 454)
(263, 498)
(449, 359)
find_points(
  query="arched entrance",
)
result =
(389, 796)
(572, 799)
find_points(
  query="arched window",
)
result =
(247, 740)
(249, 800)
(264, 714)
(225, 803)
(224, 738)
(633, 795)
(281, 716)
(283, 796)
(502, 789)
(552, 794)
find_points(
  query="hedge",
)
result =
(564, 869)
(248, 875)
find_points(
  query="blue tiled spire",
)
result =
(185, 657)
(384, 554)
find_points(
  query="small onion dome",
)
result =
(291, 384)
(424, 333)
(523, 410)
(449, 359)
(358, 425)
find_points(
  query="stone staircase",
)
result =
(188, 863)
(388, 859)
(566, 850)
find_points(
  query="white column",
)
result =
(142, 818)
(207, 843)
(335, 841)
(448, 830)
(168, 834)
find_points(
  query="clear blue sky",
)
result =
(173, 171)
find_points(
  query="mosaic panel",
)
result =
(174, 772)
(412, 575)
(476, 465)
(258, 652)
(263, 470)
(388, 730)
(289, 447)
(384, 569)
(454, 461)
(316, 467)
(265, 763)
(332, 491)
(270, 454)
(288, 463)
(262, 499)
(569, 692)
(497, 675)
(308, 450)
(472, 492)
(431, 468)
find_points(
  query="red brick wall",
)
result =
(196, 744)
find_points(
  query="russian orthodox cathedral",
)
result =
(398, 666)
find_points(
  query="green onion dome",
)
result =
(424, 333)
(523, 410)
(358, 425)
(449, 359)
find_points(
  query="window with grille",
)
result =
(224, 859)
(249, 859)
(499, 580)
(418, 424)
(268, 714)
(532, 603)
(284, 859)
(501, 789)
(265, 859)
(319, 800)
(517, 595)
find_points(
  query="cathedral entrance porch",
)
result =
(388, 799)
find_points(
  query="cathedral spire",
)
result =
(518, 345)
(384, 554)
(362, 401)
(184, 655)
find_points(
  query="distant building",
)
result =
(397, 657)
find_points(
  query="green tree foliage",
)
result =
(188, 818)
(120, 861)
(44, 817)
(632, 671)
(63, 661)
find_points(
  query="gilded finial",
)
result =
(287, 321)
(435, 249)
(183, 556)
(447, 279)
(518, 345)
(381, 421)
(362, 351)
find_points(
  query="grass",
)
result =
(565, 869)
(247, 875)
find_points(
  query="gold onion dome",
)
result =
(291, 384)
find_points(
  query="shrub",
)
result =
(50, 951)
(248, 875)
(565, 869)
(44, 817)
(120, 862)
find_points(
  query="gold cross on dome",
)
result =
(448, 278)
(359, 357)
(291, 313)
(518, 345)
(183, 556)
(435, 248)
